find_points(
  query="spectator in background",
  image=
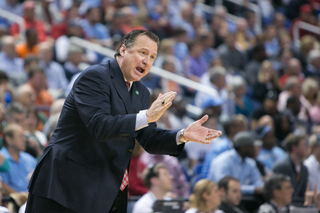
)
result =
(205, 198)
(207, 40)
(195, 64)
(313, 162)
(30, 22)
(184, 19)
(293, 68)
(48, 12)
(292, 111)
(242, 38)
(136, 185)
(32, 122)
(233, 59)
(313, 66)
(238, 163)
(307, 43)
(75, 57)
(38, 82)
(158, 180)
(94, 30)
(292, 88)
(253, 66)
(230, 188)
(21, 163)
(216, 79)
(166, 51)
(270, 153)
(16, 114)
(54, 72)
(9, 62)
(26, 96)
(292, 165)
(269, 107)
(267, 80)
(271, 44)
(30, 46)
(180, 48)
(310, 88)
(278, 194)
(243, 104)
(231, 127)
(180, 184)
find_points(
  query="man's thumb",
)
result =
(203, 119)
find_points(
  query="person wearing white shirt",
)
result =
(158, 180)
(313, 162)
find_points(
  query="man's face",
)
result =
(19, 139)
(285, 193)
(137, 60)
(18, 118)
(302, 148)
(249, 151)
(316, 152)
(39, 82)
(165, 179)
(269, 140)
(233, 195)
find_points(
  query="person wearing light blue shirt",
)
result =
(223, 144)
(21, 163)
(9, 62)
(238, 163)
(93, 29)
(270, 153)
(55, 73)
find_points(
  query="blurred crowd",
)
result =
(265, 94)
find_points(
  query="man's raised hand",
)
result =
(195, 132)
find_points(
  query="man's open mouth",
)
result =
(140, 69)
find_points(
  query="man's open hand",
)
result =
(195, 132)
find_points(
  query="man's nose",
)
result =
(146, 60)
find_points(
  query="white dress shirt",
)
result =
(313, 167)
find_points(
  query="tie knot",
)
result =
(127, 84)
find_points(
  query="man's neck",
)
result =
(158, 193)
(296, 159)
(14, 153)
(278, 203)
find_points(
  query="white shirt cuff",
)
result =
(141, 120)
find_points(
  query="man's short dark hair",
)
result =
(224, 182)
(293, 140)
(151, 171)
(129, 39)
(292, 100)
(34, 70)
(8, 132)
(15, 107)
(272, 183)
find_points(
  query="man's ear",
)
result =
(154, 181)
(205, 196)
(122, 50)
(8, 139)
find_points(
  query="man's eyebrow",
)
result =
(148, 51)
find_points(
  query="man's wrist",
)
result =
(181, 137)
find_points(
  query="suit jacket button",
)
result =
(130, 150)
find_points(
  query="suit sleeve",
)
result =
(92, 100)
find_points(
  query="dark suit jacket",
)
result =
(299, 182)
(84, 163)
(229, 209)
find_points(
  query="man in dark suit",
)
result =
(84, 167)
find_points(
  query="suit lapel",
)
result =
(136, 97)
(120, 85)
